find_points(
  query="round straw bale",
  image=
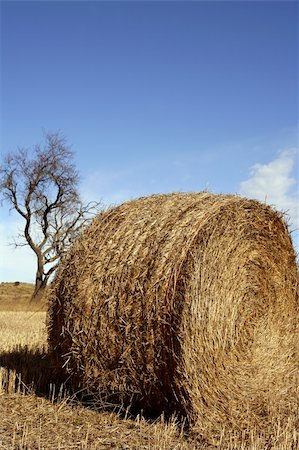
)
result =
(181, 302)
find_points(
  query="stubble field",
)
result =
(38, 413)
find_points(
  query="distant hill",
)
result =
(16, 297)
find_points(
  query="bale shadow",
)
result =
(33, 372)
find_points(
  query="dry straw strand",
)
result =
(183, 302)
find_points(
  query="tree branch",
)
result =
(42, 186)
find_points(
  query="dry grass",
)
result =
(23, 328)
(29, 422)
(187, 304)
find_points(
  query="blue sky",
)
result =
(154, 97)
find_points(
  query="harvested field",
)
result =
(183, 303)
(29, 422)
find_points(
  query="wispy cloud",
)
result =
(276, 184)
(108, 186)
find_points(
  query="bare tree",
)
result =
(43, 189)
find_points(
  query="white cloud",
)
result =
(275, 184)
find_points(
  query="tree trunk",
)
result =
(40, 285)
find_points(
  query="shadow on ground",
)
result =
(31, 371)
